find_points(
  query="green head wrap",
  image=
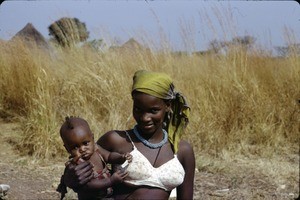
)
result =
(161, 86)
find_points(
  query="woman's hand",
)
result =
(76, 176)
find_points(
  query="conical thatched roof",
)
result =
(131, 46)
(30, 34)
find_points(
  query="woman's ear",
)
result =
(168, 105)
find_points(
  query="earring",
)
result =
(164, 125)
(167, 119)
(170, 113)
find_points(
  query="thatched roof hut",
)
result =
(30, 35)
(130, 46)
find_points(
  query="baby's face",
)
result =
(81, 143)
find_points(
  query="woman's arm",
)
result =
(106, 146)
(97, 184)
(187, 158)
(75, 176)
(100, 184)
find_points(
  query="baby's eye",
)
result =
(75, 148)
(137, 109)
(86, 143)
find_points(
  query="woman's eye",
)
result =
(154, 111)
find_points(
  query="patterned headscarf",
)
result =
(161, 86)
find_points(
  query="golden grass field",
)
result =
(245, 117)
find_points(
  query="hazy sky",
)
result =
(184, 24)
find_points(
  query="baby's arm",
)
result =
(114, 157)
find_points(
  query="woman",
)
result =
(161, 161)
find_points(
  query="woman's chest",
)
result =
(158, 156)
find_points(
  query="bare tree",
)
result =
(216, 46)
(244, 41)
(285, 51)
(96, 44)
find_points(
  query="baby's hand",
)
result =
(76, 160)
(118, 176)
(128, 157)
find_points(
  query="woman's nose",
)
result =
(145, 117)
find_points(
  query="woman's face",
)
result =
(149, 113)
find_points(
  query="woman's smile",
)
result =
(146, 126)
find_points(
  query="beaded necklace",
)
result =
(148, 144)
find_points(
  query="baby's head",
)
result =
(77, 137)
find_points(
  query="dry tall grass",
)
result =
(244, 104)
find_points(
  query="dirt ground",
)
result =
(32, 179)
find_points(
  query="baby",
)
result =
(79, 142)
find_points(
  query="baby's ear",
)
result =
(66, 149)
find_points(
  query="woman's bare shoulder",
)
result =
(185, 147)
(112, 133)
(185, 152)
(112, 138)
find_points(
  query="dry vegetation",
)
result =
(245, 106)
